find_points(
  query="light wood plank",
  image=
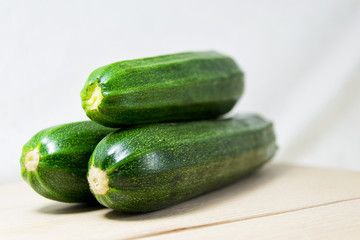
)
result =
(333, 221)
(276, 188)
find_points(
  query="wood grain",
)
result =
(276, 196)
(332, 221)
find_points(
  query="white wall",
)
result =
(301, 58)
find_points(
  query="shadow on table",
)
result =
(70, 208)
(242, 187)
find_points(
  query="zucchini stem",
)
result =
(32, 159)
(98, 181)
(95, 99)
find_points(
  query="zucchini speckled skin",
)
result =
(146, 168)
(176, 87)
(54, 162)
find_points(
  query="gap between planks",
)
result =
(241, 219)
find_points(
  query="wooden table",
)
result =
(278, 202)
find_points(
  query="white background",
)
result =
(301, 59)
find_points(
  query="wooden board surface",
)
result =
(333, 221)
(279, 201)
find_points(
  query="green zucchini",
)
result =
(54, 162)
(176, 87)
(146, 168)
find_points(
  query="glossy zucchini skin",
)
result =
(175, 87)
(155, 166)
(54, 162)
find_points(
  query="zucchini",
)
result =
(176, 87)
(146, 168)
(54, 162)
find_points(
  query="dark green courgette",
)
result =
(146, 168)
(176, 87)
(54, 162)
